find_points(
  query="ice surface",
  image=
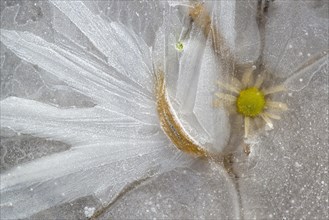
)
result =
(203, 193)
(84, 128)
(291, 44)
(286, 175)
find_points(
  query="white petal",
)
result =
(276, 105)
(165, 55)
(273, 89)
(224, 19)
(246, 127)
(189, 72)
(73, 126)
(126, 52)
(214, 121)
(88, 78)
(247, 41)
(247, 78)
(267, 120)
(102, 170)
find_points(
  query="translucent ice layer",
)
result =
(79, 75)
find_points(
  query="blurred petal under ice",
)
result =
(213, 121)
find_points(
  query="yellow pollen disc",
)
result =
(250, 102)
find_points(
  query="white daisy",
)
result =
(250, 99)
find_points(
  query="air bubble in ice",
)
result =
(89, 211)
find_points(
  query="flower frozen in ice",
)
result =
(251, 100)
(118, 139)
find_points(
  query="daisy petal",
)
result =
(277, 105)
(267, 120)
(109, 151)
(270, 115)
(189, 71)
(274, 89)
(228, 87)
(83, 76)
(214, 121)
(247, 78)
(246, 126)
(236, 83)
(93, 170)
(259, 81)
(229, 99)
(73, 126)
(126, 52)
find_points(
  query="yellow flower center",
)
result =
(250, 102)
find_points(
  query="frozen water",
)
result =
(184, 194)
(291, 164)
(306, 31)
(79, 124)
